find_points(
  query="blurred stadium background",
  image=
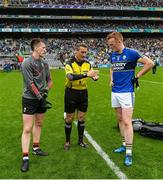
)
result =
(62, 24)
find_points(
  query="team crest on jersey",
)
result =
(124, 57)
(118, 57)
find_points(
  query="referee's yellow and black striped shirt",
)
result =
(75, 67)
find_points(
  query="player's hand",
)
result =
(45, 93)
(45, 104)
(48, 105)
(135, 82)
(111, 83)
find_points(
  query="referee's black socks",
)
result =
(81, 126)
(68, 127)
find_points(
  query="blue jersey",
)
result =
(123, 67)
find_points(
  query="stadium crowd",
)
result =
(111, 3)
(82, 25)
(98, 51)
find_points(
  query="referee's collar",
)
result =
(78, 62)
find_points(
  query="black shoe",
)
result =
(66, 146)
(83, 144)
(25, 165)
(39, 152)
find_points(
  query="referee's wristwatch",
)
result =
(85, 75)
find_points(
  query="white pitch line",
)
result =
(153, 82)
(106, 157)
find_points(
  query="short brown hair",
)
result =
(81, 45)
(116, 35)
(35, 42)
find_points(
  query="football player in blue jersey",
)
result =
(123, 79)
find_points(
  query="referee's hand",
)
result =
(95, 78)
(91, 73)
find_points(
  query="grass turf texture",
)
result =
(101, 124)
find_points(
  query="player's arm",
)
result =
(111, 77)
(148, 64)
(28, 78)
(50, 84)
(48, 78)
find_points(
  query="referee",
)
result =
(77, 70)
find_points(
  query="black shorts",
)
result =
(75, 99)
(32, 106)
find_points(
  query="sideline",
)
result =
(106, 157)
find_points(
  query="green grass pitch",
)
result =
(100, 123)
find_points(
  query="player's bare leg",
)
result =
(122, 148)
(37, 127)
(26, 135)
(128, 132)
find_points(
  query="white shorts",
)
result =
(123, 100)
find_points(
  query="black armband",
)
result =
(73, 77)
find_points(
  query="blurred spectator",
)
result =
(82, 25)
(63, 48)
(7, 66)
(110, 3)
